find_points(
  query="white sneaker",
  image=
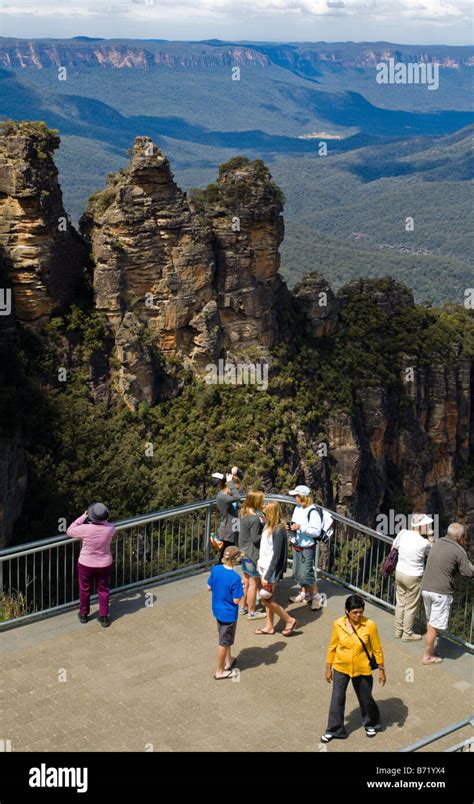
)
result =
(316, 602)
(300, 597)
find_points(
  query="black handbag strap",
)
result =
(363, 645)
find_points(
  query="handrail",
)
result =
(143, 519)
(468, 721)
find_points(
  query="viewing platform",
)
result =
(146, 683)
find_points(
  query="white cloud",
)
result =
(141, 8)
(315, 19)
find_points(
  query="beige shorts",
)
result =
(437, 608)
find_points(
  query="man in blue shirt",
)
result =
(227, 590)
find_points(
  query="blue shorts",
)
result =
(249, 567)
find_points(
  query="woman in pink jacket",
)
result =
(95, 559)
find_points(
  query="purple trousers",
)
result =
(86, 577)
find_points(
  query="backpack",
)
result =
(327, 528)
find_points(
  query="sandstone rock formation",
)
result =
(45, 252)
(318, 303)
(244, 208)
(187, 280)
(153, 273)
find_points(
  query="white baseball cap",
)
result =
(304, 491)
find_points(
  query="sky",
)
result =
(401, 21)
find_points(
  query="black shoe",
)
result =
(327, 737)
(104, 621)
(83, 617)
(371, 732)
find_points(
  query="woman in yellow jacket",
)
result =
(354, 640)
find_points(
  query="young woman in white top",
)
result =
(271, 564)
(413, 547)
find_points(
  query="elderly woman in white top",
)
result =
(413, 547)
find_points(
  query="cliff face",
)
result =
(43, 249)
(189, 281)
(13, 469)
(37, 54)
(153, 272)
(41, 54)
(244, 210)
(417, 438)
(318, 303)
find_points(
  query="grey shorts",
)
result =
(303, 566)
(226, 633)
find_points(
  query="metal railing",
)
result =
(39, 578)
(465, 745)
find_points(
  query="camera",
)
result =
(217, 478)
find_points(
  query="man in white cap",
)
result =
(306, 525)
(447, 558)
(413, 547)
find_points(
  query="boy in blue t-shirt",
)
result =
(227, 590)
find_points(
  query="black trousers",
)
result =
(363, 689)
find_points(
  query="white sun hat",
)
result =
(418, 520)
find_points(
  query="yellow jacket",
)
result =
(345, 652)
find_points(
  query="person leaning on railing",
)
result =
(413, 547)
(95, 559)
(447, 558)
(354, 651)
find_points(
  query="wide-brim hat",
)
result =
(418, 520)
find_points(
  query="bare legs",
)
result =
(253, 587)
(430, 639)
(245, 584)
(225, 661)
(271, 609)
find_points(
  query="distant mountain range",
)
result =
(393, 150)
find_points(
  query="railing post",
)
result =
(207, 534)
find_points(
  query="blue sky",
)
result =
(404, 21)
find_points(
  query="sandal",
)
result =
(432, 660)
(229, 674)
(267, 633)
(231, 664)
(287, 631)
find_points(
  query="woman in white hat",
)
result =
(413, 547)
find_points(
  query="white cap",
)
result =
(418, 520)
(304, 491)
